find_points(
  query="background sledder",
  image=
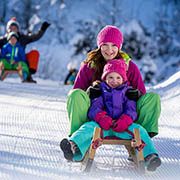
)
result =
(71, 76)
(13, 57)
(24, 39)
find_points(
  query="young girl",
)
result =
(114, 113)
(109, 41)
(13, 56)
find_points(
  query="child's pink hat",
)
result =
(116, 65)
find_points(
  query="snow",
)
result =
(131, 26)
(33, 120)
(33, 117)
(33, 21)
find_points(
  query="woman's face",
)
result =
(114, 79)
(13, 28)
(109, 51)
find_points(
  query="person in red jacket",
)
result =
(24, 39)
(109, 42)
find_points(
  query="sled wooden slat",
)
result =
(116, 141)
(92, 151)
(137, 155)
(140, 156)
(8, 72)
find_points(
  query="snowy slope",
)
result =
(33, 120)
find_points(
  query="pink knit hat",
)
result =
(110, 34)
(115, 65)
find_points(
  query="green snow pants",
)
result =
(148, 109)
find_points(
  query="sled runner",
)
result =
(134, 148)
(8, 72)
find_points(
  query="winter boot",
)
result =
(152, 134)
(130, 158)
(69, 148)
(30, 79)
(152, 162)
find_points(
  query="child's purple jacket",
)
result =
(114, 102)
(85, 75)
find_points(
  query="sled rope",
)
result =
(96, 143)
(134, 142)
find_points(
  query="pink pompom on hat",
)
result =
(110, 34)
(12, 21)
(116, 65)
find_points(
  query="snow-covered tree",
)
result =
(87, 37)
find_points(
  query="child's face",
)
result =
(13, 40)
(109, 51)
(114, 79)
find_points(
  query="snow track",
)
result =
(33, 120)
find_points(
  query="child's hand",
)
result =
(104, 120)
(122, 123)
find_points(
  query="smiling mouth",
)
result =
(113, 85)
(109, 54)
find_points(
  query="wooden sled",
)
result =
(8, 72)
(134, 148)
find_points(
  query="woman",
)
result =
(115, 114)
(109, 41)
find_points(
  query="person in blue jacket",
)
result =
(114, 113)
(25, 39)
(13, 57)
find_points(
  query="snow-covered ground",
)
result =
(33, 120)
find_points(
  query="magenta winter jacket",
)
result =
(85, 75)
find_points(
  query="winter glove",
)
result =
(45, 25)
(122, 123)
(94, 91)
(133, 94)
(103, 120)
